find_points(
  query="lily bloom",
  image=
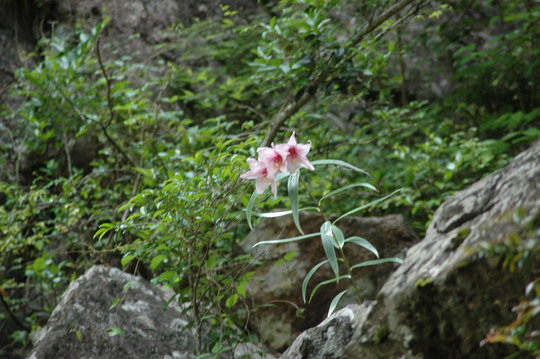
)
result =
(274, 158)
(296, 157)
(263, 178)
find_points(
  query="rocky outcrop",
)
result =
(277, 284)
(448, 294)
(109, 314)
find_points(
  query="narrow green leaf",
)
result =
(293, 196)
(126, 259)
(128, 205)
(103, 229)
(339, 163)
(289, 255)
(362, 242)
(370, 204)
(308, 277)
(338, 235)
(286, 240)
(129, 285)
(339, 190)
(378, 261)
(329, 243)
(335, 302)
(282, 213)
(77, 334)
(113, 331)
(282, 175)
(114, 303)
(231, 301)
(155, 262)
(167, 276)
(330, 281)
(249, 208)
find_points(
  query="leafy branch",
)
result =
(309, 90)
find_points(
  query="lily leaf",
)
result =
(330, 281)
(308, 277)
(287, 240)
(249, 208)
(338, 236)
(362, 242)
(328, 241)
(283, 213)
(293, 196)
(378, 261)
(344, 188)
(339, 163)
(370, 204)
(335, 302)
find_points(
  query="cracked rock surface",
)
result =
(150, 324)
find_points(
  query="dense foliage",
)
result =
(147, 156)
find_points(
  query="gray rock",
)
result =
(447, 296)
(151, 324)
(329, 339)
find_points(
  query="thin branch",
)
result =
(283, 116)
(103, 127)
(12, 315)
(107, 80)
(292, 108)
(110, 105)
(378, 21)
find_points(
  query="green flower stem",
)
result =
(348, 267)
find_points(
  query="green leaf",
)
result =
(167, 276)
(249, 208)
(113, 331)
(335, 302)
(77, 334)
(308, 277)
(289, 255)
(241, 289)
(156, 261)
(370, 204)
(293, 196)
(339, 190)
(338, 235)
(362, 242)
(115, 303)
(286, 240)
(231, 301)
(126, 259)
(128, 205)
(103, 229)
(330, 281)
(129, 285)
(329, 243)
(339, 163)
(378, 261)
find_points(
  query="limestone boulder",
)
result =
(450, 292)
(109, 314)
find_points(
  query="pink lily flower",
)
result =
(274, 158)
(259, 172)
(297, 155)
